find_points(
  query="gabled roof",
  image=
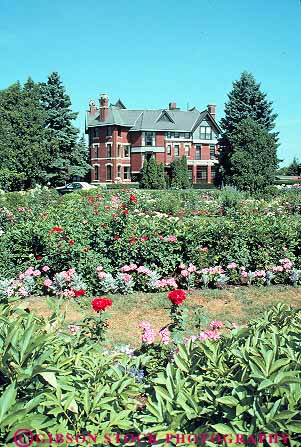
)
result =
(152, 120)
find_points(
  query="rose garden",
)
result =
(110, 323)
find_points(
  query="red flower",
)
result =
(39, 257)
(71, 242)
(86, 250)
(116, 238)
(80, 292)
(133, 240)
(101, 304)
(133, 198)
(56, 230)
(125, 211)
(177, 296)
(144, 238)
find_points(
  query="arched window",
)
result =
(96, 172)
(109, 172)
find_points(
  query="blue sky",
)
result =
(150, 53)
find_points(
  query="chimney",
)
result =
(92, 107)
(212, 110)
(172, 106)
(103, 106)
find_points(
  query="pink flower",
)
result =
(209, 334)
(9, 291)
(143, 270)
(244, 274)
(165, 336)
(126, 277)
(36, 273)
(184, 273)
(133, 266)
(102, 275)
(23, 292)
(234, 325)
(172, 239)
(171, 282)
(71, 272)
(47, 282)
(148, 335)
(45, 268)
(21, 209)
(182, 266)
(216, 324)
(99, 268)
(21, 276)
(191, 268)
(232, 265)
(203, 249)
(125, 268)
(70, 293)
(29, 271)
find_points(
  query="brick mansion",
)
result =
(120, 139)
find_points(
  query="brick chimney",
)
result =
(103, 106)
(172, 105)
(212, 110)
(92, 107)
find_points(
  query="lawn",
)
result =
(235, 304)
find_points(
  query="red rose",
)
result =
(116, 238)
(101, 304)
(39, 257)
(177, 296)
(80, 292)
(133, 240)
(144, 238)
(133, 198)
(56, 230)
(71, 242)
(86, 250)
(125, 211)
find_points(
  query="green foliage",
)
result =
(253, 157)
(179, 178)
(152, 175)
(248, 147)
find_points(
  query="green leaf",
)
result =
(50, 378)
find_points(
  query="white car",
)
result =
(75, 186)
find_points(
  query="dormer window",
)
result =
(205, 133)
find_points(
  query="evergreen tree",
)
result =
(253, 158)
(152, 174)
(294, 167)
(161, 176)
(79, 166)
(59, 120)
(144, 176)
(179, 177)
(23, 135)
(246, 101)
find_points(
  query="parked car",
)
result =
(75, 186)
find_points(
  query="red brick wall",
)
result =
(136, 162)
(136, 138)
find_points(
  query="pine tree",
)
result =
(179, 177)
(59, 119)
(152, 174)
(246, 102)
(253, 158)
(185, 175)
(294, 167)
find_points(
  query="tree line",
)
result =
(39, 143)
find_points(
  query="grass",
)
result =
(237, 304)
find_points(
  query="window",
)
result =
(168, 134)
(109, 150)
(213, 173)
(119, 131)
(109, 131)
(127, 150)
(96, 150)
(198, 152)
(119, 171)
(201, 174)
(119, 150)
(96, 172)
(187, 135)
(95, 132)
(148, 138)
(177, 135)
(177, 150)
(169, 149)
(190, 173)
(126, 173)
(109, 172)
(205, 133)
(187, 150)
(212, 152)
